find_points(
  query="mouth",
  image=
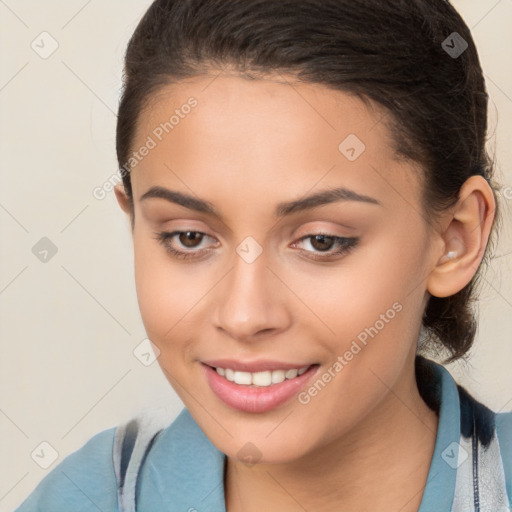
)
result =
(263, 378)
(259, 391)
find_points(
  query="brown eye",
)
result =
(190, 238)
(325, 246)
(322, 242)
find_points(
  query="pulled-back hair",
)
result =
(392, 52)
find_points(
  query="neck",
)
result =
(384, 459)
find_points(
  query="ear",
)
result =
(125, 203)
(123, 199)
(466, 232)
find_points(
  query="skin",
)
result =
(247, 146)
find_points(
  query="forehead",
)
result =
(271, 136)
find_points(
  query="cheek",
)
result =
(372, 306)
(374, 318)
(378, 279)
(165, 292)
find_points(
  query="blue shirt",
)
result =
(181, 470)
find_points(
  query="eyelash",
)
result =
(346, 245)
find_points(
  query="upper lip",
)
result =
(254, 366)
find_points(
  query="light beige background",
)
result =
(69, 326)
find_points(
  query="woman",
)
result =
(310, 200)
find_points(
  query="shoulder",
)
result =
(504, 427)
(84, 481)
(504, 434)
(485, 435)
(183, 468)
(155, 454)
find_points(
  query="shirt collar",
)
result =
(440, 486)
(184, 470)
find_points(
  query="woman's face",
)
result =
(258, 286)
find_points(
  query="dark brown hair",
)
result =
(401, 54)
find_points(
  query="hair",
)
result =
(391, 52)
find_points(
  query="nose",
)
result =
(251, 301)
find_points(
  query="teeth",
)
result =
(261, 379)
(243, 378)
(278, 376)
(291, 374)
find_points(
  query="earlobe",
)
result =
(465, 239)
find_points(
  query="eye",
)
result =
(188, 239)
(323, 244)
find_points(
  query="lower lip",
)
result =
(256, 399)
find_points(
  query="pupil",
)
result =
(189, 236)
(321, 239)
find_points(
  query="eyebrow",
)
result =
(282, 209)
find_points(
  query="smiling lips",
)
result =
(254, 366)
(262, 379)
(267, 386)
